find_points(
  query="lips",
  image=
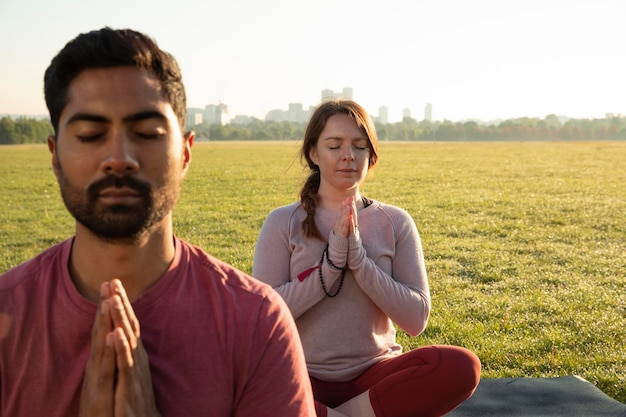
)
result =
(119, 192)
(118, 195)
(119, 189)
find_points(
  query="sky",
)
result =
(479, 59)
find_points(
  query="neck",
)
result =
(138, 264)
(332, 201)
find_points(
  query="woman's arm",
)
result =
(404, 295)
(273, 253)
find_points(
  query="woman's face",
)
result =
(342, 154)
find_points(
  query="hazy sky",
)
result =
(476, 59)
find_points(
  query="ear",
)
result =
(188, 139)
(313, 154)
(52, 147)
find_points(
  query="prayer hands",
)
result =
(117, 378)
(347, 222)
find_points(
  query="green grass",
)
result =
(525, 243)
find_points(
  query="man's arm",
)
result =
(279, 385)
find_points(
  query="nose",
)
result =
(120, 156)
(348, 154)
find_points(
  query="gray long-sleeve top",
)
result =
(385, 283)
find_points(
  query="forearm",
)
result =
(302, 295)
(405, 299)
(300, 285)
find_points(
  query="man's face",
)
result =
(119, 156)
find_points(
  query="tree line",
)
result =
(520, 129)
(28, 130)
(24, 130)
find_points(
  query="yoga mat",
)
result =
(569, 396)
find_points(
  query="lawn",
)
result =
(525, 243)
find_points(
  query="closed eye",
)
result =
(89, 138)
(149, 136)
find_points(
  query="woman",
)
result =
(349, 267)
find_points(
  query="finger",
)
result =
(121, 320)
(134, 394)
(101, 361)
(102, 323)
(118, 288)
(105, 290)
(107, 365)
(123, 350)
(103, 353)
(99, 378)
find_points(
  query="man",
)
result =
(124, 318)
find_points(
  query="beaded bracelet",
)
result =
(332, 265)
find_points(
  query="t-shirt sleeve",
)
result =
(278, 383)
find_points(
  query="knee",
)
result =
(464, 364)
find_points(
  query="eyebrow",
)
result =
(341, 138)
(88, 117)
(150, 114)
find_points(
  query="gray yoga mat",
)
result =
(569, 396)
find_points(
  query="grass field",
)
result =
(525, 243)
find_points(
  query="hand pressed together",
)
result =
(117, 380)
(347, 222)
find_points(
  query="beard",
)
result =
(119, 222)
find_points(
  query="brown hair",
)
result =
(308, 193)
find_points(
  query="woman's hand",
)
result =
(347, 222)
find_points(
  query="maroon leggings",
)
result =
(428, 381)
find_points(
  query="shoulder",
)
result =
(40, 265)
(394, 213)
(226, 282)
(283, 220)
(286, 212)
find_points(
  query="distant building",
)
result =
(428, 112)
(194, 116)
(213, 113)
(294, 113)
(276, 115)
(297, 114)
(406, 112)
(328, 94)
(383, 115)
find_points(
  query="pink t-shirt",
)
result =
(219, 342)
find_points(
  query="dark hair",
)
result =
(308, 193)
(112, 48)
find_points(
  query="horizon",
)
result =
(487, 60)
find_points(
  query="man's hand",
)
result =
(117, 379)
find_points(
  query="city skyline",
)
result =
(295, 112)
